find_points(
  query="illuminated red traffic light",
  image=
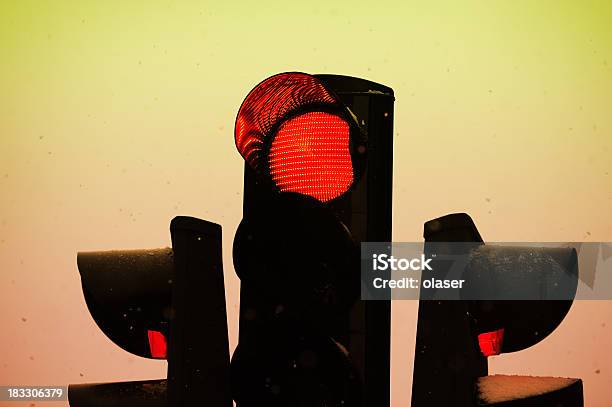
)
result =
(490, 343)
(293, 131)
(310, 155)
(305, 338)
(157, 344)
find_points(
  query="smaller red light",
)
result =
(157, 344)
(491, 342)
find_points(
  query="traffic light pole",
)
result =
(198, 356)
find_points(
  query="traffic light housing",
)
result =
(455, 337)
(317, 183)
(164, 303)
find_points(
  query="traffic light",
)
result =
(167, 304)
(455, 337)
(317, 183)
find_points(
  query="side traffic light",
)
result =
(165, 304)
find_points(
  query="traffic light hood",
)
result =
(295, 133)
(128, 293)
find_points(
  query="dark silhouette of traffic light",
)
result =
(454, 337)
(317, 183)
(164, 304)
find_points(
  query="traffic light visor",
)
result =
(297, 133)
(128, 294)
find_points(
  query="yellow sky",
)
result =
(116, 117)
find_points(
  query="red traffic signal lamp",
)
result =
(317, 183)
(164, 304)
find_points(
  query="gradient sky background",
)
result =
(117, 116)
